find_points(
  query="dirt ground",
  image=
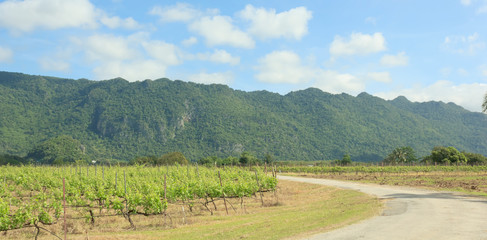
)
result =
(470, 182)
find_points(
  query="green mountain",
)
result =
(121, 120)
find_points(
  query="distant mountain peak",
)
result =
(364, 95)
(401, 99)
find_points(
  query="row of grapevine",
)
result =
(31, 195)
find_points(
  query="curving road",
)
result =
(412, 214)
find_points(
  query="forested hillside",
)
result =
(121, 120)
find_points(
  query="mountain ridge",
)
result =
(121, 120)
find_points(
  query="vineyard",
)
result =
(33, 196)
(100, 198)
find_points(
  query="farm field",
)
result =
(132, 203)
(468, 179)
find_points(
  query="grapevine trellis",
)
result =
(32, 196)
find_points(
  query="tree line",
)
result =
(439, 155)
(66, 150)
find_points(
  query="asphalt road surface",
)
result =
(412, 213)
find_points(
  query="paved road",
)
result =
(412, 214)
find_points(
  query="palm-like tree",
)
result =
(401, 155)
(484, 106)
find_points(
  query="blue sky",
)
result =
(423, 50)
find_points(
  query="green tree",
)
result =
(229, 161)
(12, 160)
(172, 158)
(213, 160)
(475, 158)
(346, 160)
(401, 155)
(268, 158)
(247, 158)
(58, 150)
(147, 160)
(445, 155)
(209, 161)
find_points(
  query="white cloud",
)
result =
(482, 9)
(266, 24)
(181, 12)
(135, 57)
(131, 70)
(164, 52)
(208, 78)
(51, 64)
(469, 45)
(358, 44)
(335, 82)
(189, 42)
(481, 5)
(384, 77)
(219, 56)
(467, 95)
(445, 71)
(282, 67)
(28, 15)
(286, 67)
(371, 20)
(106, 47)
(219, 30)
(117, 22)
(462, 72)
(5, 54)
(395, 60)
